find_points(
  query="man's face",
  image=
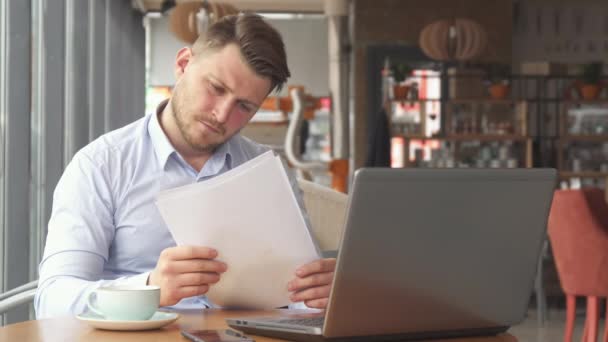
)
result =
(215, 97)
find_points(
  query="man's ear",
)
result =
(184, 56)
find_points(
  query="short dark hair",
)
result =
(261, 45)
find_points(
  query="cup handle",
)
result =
(91, 306)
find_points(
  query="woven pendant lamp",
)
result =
(453, 39)
(188, 20)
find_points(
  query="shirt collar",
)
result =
(162, 145)
(223, 155)
(221, 159)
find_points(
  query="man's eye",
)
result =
(246, 108)
(216, 89)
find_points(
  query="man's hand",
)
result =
(185, 271)
(313, 282)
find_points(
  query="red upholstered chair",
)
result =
(578, 231)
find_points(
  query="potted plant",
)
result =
(400, 72)
(591, 77)
(498, 78)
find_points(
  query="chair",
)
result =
(578, 231)
(20, 295)
(326, 209)
(539, 287)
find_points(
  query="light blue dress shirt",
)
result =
(105, 228)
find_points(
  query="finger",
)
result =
(317, 266)
(316, 279)
(171, 296)
(317, 292)
(317, 303)
(191, 291)
(196, 265)
(189, 252)
(198, 278)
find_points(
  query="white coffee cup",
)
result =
(125, 303)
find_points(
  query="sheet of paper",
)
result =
(251, 216)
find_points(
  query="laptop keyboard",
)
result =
(309, 322)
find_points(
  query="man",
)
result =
(105, 229)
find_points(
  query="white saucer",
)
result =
(158, 320)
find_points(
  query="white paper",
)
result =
(251, 216)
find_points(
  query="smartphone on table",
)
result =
(222, 335)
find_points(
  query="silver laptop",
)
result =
(429, 253)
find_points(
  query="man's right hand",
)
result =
(185, 271)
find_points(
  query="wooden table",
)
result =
(70, 329)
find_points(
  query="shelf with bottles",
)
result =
(419, 118)
(582, 158)
(487, 117)
(465, 153)
(584, 120)
(477, 133)
(582, 144)
(586, 174)
(584, 179)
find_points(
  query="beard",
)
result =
(187, 129)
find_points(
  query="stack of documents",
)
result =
(251, 216)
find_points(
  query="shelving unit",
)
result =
(476, 133)
(582, 145)
(535, 134)
(486, 117)
(412, 117)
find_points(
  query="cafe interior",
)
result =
(499, 84)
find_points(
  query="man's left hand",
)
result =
(313, 282)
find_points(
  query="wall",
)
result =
(161, 51)
(307, 52)
(400, 22)
(560, 31)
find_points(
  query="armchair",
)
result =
(326, 210)
(578, 229)
(20, 295)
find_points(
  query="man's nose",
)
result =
(222, 110)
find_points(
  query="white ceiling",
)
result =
(248, 5)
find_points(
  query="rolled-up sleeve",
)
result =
(80, 233)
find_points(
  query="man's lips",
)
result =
(211, 127)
